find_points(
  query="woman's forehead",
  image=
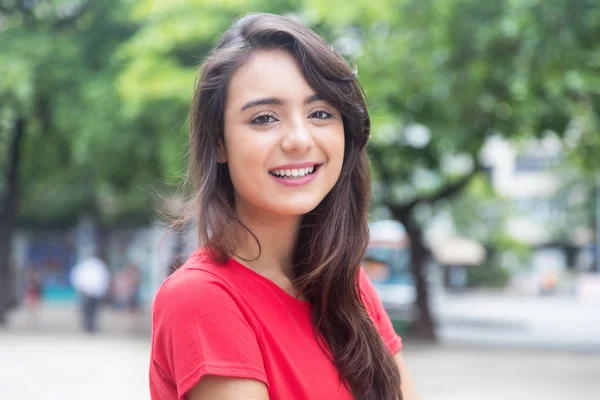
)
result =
(268, 74)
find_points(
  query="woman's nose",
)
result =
(297, 138)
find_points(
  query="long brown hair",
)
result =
(333, 237)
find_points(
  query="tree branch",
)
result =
(5, 10)
(449, 190)
(402, 210)
(73, 16)
(9, 205)
(18, 7)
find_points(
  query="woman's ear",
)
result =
(221, 152)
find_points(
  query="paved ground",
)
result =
(468, 373)
(551, 323)
(74, 367)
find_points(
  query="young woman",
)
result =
(275, 305)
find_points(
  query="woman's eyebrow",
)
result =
(261, 102)
(274, 101)
(312, 99)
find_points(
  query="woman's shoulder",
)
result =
(367, 290)
(199, 280)
(363, 280)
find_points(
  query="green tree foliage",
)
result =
(58, 67)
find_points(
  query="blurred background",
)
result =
(485, 233)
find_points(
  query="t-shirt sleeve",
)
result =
(378, 314)
(199, 328)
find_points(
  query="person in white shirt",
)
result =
(91, 279)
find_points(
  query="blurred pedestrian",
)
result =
(33, 295)
(125, 288)
(125, 294)
(135, 279)
(91, 279)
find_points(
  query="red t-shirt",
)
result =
(227, 320)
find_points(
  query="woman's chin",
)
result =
(295, 209)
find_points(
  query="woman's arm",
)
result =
(409, 391)
(224, 388)
(212, 387)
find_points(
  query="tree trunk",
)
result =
(6, 230)
(424, 326)
(8, 216)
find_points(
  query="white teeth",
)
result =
(293, 172)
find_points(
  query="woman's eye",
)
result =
(321, 115)
(263, 119)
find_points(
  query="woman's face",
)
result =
(284, 145)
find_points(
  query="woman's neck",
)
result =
(277, 235)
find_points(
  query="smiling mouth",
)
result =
(295, 172)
